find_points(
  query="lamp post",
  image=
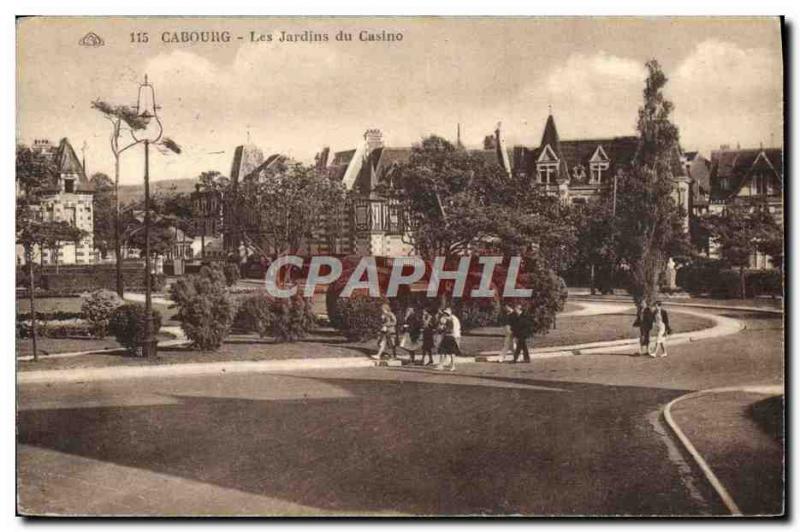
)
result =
(146, 111)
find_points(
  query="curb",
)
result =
(722, 492)
(667, 302)
(723, 326)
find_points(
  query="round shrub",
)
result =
(205, 309)
(357, 317)
(127, 325)
(283, 319)
(97, 308)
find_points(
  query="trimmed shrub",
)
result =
(231, 272)
(283, 319)
(56, 329)
(97, 308)
(357, 317)
(127, 325)
(253, 314)
(710, 277)
(205, 309)
(56, 315)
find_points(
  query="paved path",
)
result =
(722, 326)
(578, 435)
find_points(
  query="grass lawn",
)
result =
(52, 346)
(327, 343)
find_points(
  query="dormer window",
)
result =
(547, 166)
(598, 165)
(69, 185)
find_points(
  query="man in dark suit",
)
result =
(644, 321)
(520, 323)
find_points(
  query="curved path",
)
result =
(576, 435)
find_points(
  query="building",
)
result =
(369, 223)
(578, 170)
(68, 198)
(751, 177)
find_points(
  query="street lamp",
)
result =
(151, 132)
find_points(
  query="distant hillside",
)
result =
(128, 193)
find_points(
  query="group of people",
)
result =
(439, 332)
(423, 331)
(652, 319)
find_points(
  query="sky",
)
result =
(725, 79)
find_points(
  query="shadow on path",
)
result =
(401, 446)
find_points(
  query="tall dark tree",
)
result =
(651, 222)
(104, 208)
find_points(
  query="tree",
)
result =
(596, 237)
(285, 205)
(124, 119)
(740, 232)
(458, 201)
(35, 173)
(104, 212)
(650, 220)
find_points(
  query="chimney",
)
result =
(40, 145)
(374, 139)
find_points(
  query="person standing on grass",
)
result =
(428, 331)
(662, 329)
(506, 317)
(521, 330)
(644, 321)
(387, 332)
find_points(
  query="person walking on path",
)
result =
(506, 315)
(451, 335)
(662, 329)
(521, 330)
(644, 321)
(387, 332)
(429, 325)
(412, 331)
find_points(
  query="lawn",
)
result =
(327, 343)
(52, 346)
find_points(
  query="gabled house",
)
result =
(369, 223)
(69, 198)
(748, 177)
(578, 170)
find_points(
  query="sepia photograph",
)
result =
(406, 266)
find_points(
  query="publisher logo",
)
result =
(91, 39)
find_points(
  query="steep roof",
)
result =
(620, 151)
(738, 165)
(66, 162)
(246, 158)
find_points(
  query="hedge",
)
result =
(57, 329)
(56, 315)
(712, 278)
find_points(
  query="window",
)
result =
(546, 172)
(598, 169)
(69, 185)
(723, 183)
